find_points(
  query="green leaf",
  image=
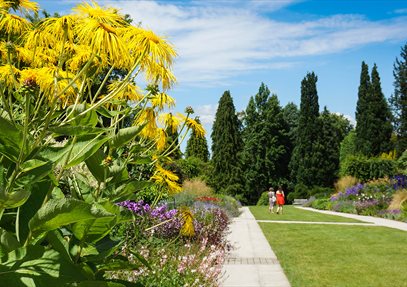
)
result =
(58, 243)
(69, 130)
(8, 242)
(125, 135)
(94, 164)
(32, 164)
(10, 136)
(36, 266)
(88, 119)
(59, 212)
(34, 171)
(14, 199)
(34, 203)
(129, 188)
(82, 150)
(141, 258)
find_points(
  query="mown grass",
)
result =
(341, 256)
(291, 213)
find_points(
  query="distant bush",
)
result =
(369, 168)
(321, 203)
(345, 182)
(264, 199)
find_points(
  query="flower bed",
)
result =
(174, 259)
(383, 198)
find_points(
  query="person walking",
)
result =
(280, 200)
(272, 199)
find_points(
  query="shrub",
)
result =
(197, 187)
(399, 198)
(344, 206)
(345, 182)
(263, 199)
(369, 168)
(321, 203)
(229, 204)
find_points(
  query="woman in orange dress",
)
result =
(280, 200)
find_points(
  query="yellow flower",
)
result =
(158, 73)
(170, 121)
(24, 5)
(196, 127)
(147, 116)
(13, 24)
(187, 217)
(160, 100)
(61, 28)
(103, 40)
(130, 92)
(37, 39)
(8, 74)
(24, 54)
(162, 139)
(166, 179)
(104, 15)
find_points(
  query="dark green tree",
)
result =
(197, 146)
(398, 100)
(265, 144)
(373, 116)
(305, 160)
(381, 128)
(363, 113)
(226, 147)
(334, 128)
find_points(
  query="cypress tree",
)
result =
(380, 126)
(399, 100)
(305, 161)
(197, 146)
(363, 116)
(226, 147)
(373, 117)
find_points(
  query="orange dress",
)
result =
(280, 198)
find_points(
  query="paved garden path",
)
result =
(251, 263)
(375, 220)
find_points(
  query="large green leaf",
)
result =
(34, 171)
(69, 130)
(10, 136)
(125, 135)
(13, 199)
(94, 164)
(90, 118)
(82, 150)
(59, 212)
(128, 188)
(33, 204)
(36, 266)
(8, 242)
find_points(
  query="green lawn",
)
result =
(340, 256)
(290, 213)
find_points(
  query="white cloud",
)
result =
(218, 41)
(206, 113)
(349, 118)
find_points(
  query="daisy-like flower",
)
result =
(161, 100)
(196, 127)
(24, 5)
(61, 28)
(130, 92)
(167, 179)
(162, 139)
(170, 121)
(109, 16)
(187, 228)
(8, 74)
(147, 117)
(13, 25)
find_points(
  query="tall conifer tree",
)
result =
(363, 116)
(373, 117)
(226, 147)
(265, 140)
(305, 161)
(399, 100)
(197, 146)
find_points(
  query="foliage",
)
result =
(263, 199)
(368, 168)
(347, 148)
(192, 167)
(399, 199)
(334, 128)
(373, 129)
(73, 120)
(305, 161)
(398, 100)
(320, 203)
(197, 147)
(265, 158)
(226, 146)
(402, 163)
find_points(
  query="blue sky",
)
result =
(236, 45)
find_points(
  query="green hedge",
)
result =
(368, 168)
